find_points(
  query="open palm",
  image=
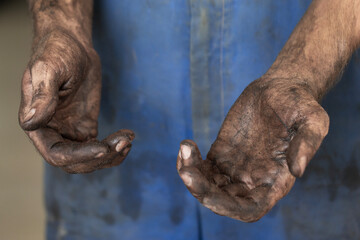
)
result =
(267, 139)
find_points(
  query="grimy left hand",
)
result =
(276, 125)
(267, 138)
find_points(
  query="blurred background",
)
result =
(21, 168)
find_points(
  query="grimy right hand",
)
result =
(60, 96)
(267, 139)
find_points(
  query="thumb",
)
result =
(307, 141)
(189, 155)
(39, 96)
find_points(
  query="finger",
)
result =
(307, 141)
(247, 209)
(189, 154)
(119, 144)
(110, 159)
(195, 181)
(39, 96)
(119, 140)
(60, 152)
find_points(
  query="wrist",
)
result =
(43, 31)
(320, 45)
(72, 16)
(297, 74)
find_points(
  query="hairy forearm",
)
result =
(73, 16)
(320, 46)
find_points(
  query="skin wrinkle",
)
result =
(276, 125)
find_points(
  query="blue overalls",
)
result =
(171, 71)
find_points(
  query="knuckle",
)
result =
(60, 49)
(93, 55)
(22, 123)
(42, 65)
(323, 122)
(326, 120)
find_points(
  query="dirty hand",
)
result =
(267, 139)
(60, 105)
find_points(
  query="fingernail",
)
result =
(185, 152)
(186, 179)
(180, 154)
(302, 164)
(120, 145)
(30, 114)
(100, 154)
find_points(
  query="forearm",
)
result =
(73, 16)
(320, 46)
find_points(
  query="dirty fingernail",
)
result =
(100, 154)
(185, 152)
(120, 145)
(30, 114)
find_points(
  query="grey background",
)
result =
(21, 167)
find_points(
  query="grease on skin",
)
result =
(267, 138)
(61, 88)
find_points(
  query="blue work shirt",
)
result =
(171, 71)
